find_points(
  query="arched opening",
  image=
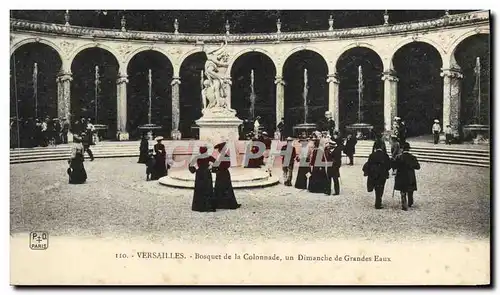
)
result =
(138, 92)
(36, 90)
(190, 93)
(420, 87)
(93, 89)
(317, 88)
(253, 92)
(473, 110)
(369, 106)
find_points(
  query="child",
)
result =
(449, 134)
(150, 163)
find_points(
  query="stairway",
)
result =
(454, 155)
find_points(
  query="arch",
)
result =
(329, 66)
(131, 55)
(94, 45)
(355, 45)
(247, 50)
(49, 43)
(420, 39)
(369, 108)
(188, 54)
(455, 43)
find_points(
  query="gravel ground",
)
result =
(452, 202)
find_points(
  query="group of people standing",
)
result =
(39, 132)
(155, 159)
(206, 196)
(401, 161)
(319, 161)
(436, 132)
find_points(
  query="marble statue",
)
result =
(214, 92)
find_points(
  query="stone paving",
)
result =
(452, 201)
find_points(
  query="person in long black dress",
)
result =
(304, 168)
(223, 191)
(143, 150)
(318, 179)
(160, 168)
(76, 170)
(203, 196)
(377, 171)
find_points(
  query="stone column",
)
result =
(451, 97)
(333, 98)
(64, 96)
(390, 98)
(228, 91)
(176, 134)
(280, 98)
(121, 108)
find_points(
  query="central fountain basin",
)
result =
(241, 178)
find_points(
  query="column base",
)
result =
(122, 136)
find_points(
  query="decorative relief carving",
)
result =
(175, 51)
(124, 49)
(67, 47)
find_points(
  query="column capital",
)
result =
(64, 76)
(452, 73)
(175, 81)
(333, 78)
(279, 80)
(389, 76)
(122, 79)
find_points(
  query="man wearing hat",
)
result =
(333, 155)
(405, 180)
(436, 130)
(288, 161)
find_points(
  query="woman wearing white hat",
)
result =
(436, 130)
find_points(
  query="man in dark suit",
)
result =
(350, 148)
(333, 154)
(377, 170)
(405, 181)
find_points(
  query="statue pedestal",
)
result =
(219, 125)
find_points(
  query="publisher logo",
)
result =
(39, 240)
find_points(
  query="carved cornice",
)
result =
(453, 73)
(61, 29)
